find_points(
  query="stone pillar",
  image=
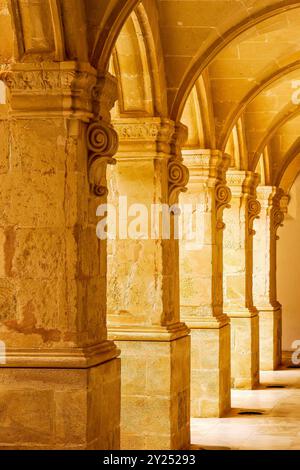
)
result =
(143, 280)
(201, 284)
(238, 272)
(264, 280)
(60, 384)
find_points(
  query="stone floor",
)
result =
(278, 428)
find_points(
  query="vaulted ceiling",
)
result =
(229, 68)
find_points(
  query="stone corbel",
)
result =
(102, 143)
(102, 138)
(177, 171)
(253, 210)
(222, 198)
(270, 198)
(277, 212)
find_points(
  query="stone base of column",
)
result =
(46, 405)
(270, 331)
(244, 350)
(211, 374)
(155, 388)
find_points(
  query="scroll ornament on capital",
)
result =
(102, 143)
(178, 179)
(178, 173)
(222, 198)
(254, 208)
(277, 212)
(278, 218)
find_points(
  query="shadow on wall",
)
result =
(288, 270)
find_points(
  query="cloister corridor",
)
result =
(277, 428)
(149, 225)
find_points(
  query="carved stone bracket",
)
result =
(102, 143)
(278, 219)
(178, 179)
(277, 212)
(253, 210)
(177, 171)
(222, 198)
(270, 198)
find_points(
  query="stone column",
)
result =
(143, 285)
(238, 272)
(201, 284)
(60, 385)
(264, 281)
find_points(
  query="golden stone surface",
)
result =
(118, 342)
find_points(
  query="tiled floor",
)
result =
(277, 429)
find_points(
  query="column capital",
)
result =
(284, 202)
(155, 138)
(50, 89)
(270, 199)
(242, 182)
(206, 164)
(71, 89)
(144, 138)
(269, 195)
(207, 169)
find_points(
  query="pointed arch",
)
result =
(107, 37)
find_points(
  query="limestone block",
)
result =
(270, 333)
(155, 394)
(211, 379)
(60, 408)
(245, 352)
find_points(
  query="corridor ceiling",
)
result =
(230, 69)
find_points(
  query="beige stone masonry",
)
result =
(201, 284)
(238, 282)
(54, 271)
(264, 280)
(143, 292)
